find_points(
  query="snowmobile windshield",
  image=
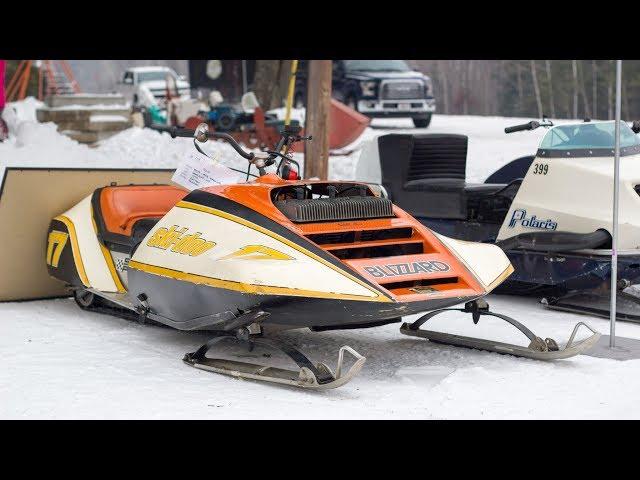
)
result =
(588, 135)
(377, 65)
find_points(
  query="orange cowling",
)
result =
(122, 206)
(345, 125)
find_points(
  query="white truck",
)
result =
(156, 79)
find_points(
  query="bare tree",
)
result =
(520, 89)
(583, 92)
(574, 69)
(610, 91)
(443, 69)
(270, 82)
(552, 105)
(594, 80)
(536, 88)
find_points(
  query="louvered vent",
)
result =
(335, 209)
(438, 157)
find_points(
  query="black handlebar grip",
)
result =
(525, 126)
(173, 131)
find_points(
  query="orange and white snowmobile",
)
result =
(276, 252)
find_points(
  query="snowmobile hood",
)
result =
(391, 257)
(569, 185)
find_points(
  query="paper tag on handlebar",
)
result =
(198, 171)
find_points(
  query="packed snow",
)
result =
(60, 362)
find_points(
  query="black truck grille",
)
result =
(402, 90)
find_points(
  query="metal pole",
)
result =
(616, 188)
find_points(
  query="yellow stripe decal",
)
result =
(108, 258)
(241, 287)
(214, 211)
(75, 248)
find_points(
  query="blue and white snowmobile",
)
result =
(551, 212)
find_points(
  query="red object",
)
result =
(2, 94)
(345, 125)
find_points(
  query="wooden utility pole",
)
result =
(316, 154)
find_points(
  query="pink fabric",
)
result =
(2, 99)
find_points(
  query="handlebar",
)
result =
(188, 133)
(201, 134)
(525, 126)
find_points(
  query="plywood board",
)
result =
(29, 199)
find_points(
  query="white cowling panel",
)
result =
(300, 272)
(577, 194)
(95, 266)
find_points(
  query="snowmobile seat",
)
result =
(425, 174)
(125, 214)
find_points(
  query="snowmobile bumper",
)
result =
(538, 348)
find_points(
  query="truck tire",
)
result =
(351, 102)
(422, 122)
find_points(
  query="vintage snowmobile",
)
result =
(551, 213)
(277, 252)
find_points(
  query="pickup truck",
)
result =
(378, 88)
(155, 78)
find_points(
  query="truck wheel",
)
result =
(422, 122)
(350, 101)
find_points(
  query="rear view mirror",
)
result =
(201, 133)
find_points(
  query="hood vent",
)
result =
(335, 209)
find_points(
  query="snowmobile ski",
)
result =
(315, 377)
(592, 302)
(538, 348)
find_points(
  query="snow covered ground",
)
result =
(60, 362)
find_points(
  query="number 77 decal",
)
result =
(55, 244)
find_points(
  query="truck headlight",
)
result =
(428, 87)
(368, 88)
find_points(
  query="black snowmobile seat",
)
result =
(425, 174)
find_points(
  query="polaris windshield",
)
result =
(588, 136)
